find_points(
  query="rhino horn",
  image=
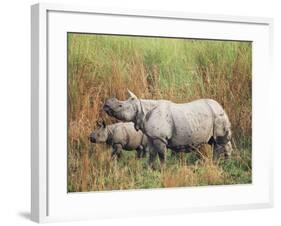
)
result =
(131, 94)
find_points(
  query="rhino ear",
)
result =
(132, 95)
(103, 124)
(99, 124)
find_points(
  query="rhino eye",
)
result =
(120, 105)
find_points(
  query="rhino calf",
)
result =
(121, 136)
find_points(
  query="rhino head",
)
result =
(99, 135)
(129, 110)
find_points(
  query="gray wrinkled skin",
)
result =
(130, 110)
(121, 136)
(176, 126)
(188, 125)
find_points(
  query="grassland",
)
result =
(180, 70)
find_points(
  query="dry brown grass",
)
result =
(101, 67)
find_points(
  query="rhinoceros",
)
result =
(121, 136)
(175, 126)
(132, 110)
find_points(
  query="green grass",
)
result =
(180, 70)
(182, 170)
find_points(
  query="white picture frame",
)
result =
(49, 198)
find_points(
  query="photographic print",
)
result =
(157, 112)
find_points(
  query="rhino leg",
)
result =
(160, 148)
(144, 152)
(139, 152)
(225, 149)
(152, 157)
(222, 145)
(117, 151)
(228, 150)
(162, 157)
(218, 150)
(174, 154)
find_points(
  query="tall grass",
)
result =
(180, 70)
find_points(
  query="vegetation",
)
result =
(181, 70)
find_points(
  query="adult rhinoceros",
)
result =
(175, 126)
